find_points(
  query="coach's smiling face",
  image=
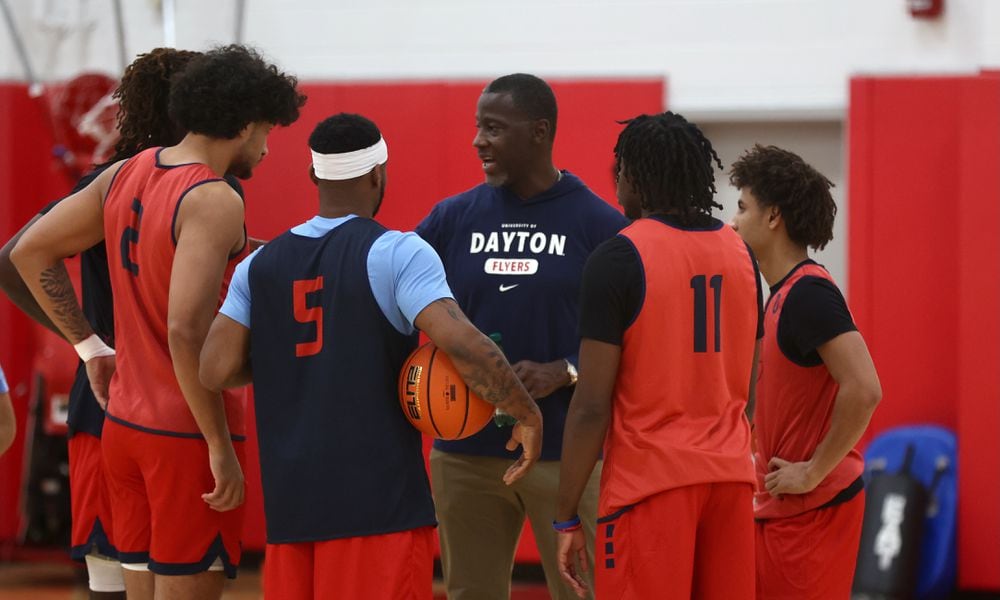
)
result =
(507, 142)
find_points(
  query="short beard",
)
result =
(240, 170)
(497, 181)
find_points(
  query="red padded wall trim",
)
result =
(903, 171)
(977, 389)
(429, 129)
(29, 178)
(924, 265)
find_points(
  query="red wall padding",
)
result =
(428, 127)
(924, 262)
(29, 177)
(902, 251)
(978, 385)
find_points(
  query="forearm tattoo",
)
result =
(494, 383)
(69, 317)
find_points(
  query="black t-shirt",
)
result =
(814, 312)
(613, 287)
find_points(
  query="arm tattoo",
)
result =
(493, 384)
(490, 375)
(57, 286)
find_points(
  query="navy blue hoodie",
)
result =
(515, 266)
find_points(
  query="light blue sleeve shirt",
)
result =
(236, 306)
(404, 272)
(3, 383)
(406, 275)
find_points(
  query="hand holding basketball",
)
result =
(436, 400)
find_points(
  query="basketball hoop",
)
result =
(81, 111)
(83, 116)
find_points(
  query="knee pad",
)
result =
(105, 574)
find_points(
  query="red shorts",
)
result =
(392, 566)
(694, 541)
(810, 556)
(90, 506)
(155, 483)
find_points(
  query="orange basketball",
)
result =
(436, 400)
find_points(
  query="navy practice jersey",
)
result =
(85, 414)
(330, 306)
(515, 267)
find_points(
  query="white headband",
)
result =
(348, 165)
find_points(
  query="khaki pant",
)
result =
(480, 520)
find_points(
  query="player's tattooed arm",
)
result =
(66, 312)
(480, 362)
(72, 226)
(484, 367)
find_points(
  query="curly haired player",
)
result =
(143, 122)
(817, 392)
(172, 448)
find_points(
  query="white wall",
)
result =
(725, 59)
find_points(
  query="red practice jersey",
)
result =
(794, 407)
(684, 377)
(139, 218)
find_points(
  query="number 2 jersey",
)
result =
(684, 304)
(140, 214)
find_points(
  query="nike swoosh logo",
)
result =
(504, 288)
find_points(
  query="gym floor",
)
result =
(65, 581)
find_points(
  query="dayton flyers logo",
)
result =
(515, 242)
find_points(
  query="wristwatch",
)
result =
(571, 371)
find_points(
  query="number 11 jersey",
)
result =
(684, 304)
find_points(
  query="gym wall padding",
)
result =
(428, 127)
(29, 178)
(924, 268)
(978, 384)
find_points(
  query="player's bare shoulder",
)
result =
(211, 207)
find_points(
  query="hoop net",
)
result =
(83, 116)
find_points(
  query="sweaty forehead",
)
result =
(497, 105)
